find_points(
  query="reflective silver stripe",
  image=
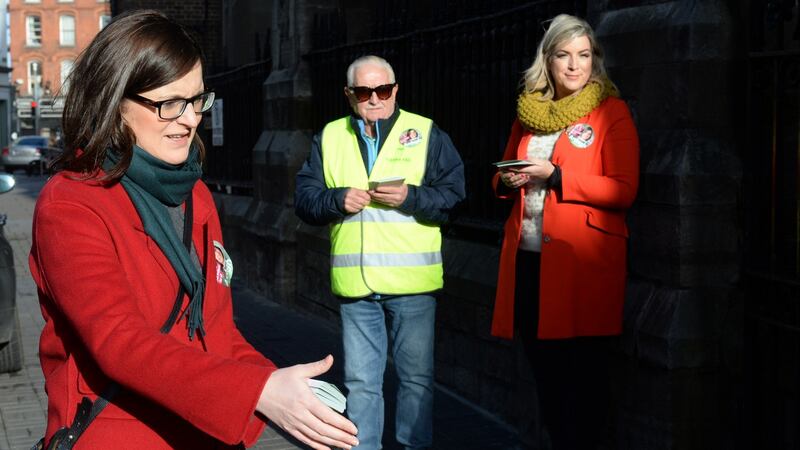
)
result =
(386, 259)
(380, 215)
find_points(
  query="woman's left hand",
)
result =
(541, 169)
(512, 179)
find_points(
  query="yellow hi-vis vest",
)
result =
(381, 249)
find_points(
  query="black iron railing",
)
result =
(229, 166)
(772, 226)
(463, 71)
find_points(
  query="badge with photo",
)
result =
(410, 137)
(224, 265)
(580, 135)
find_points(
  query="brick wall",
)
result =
(50, 53)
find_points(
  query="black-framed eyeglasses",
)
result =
(363, 93)
(173, 108)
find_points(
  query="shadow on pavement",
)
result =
(288, 337)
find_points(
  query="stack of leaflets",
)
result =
(391, 181)
(512, 163)
(329, 394)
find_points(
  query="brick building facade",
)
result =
(7, 119)
(46, 38)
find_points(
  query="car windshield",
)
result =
(36, 141)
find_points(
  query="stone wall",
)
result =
(289, 261)
(277, 156)
(678, 64)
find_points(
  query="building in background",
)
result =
(7, 122)
(46, 38)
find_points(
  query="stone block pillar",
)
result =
(262, 228)
(678, 65)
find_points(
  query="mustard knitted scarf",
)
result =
(548, 116)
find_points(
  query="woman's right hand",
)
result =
(513, 179)
(289, 403)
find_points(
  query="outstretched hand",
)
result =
(289, 403)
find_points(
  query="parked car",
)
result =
(28, 153)
(10, 336)
(48, 156)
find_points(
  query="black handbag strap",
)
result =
(88, 410)
(187, 242)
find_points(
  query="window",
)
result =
(33, 31)
(66, 68)
(66, 25)
(35, 78)
(34, 141)
(105, 19)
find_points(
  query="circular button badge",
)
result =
(410, 137)
(580, 135)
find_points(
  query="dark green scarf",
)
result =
(152, 185)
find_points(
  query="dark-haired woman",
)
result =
(562, 272)
(126, 241)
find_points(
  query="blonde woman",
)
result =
(562, 271)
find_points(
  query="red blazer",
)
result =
(584, 235)
(105, 289)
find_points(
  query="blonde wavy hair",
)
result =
(563, 28)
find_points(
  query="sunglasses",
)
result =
(363, 93)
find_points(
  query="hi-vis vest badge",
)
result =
(410, 137)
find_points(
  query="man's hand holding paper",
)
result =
(392, 193)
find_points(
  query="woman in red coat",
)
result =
(561, 280)
(132, 274)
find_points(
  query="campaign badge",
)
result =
(580, 135)
(223, 264)
(410, 137)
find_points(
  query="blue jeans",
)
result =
(411, 323)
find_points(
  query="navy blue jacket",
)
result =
(442, 186)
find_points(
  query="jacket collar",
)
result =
(383, 124)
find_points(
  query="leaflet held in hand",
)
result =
(512, 163)
(329, 394)
(391, 181)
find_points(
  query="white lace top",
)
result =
(540, 146)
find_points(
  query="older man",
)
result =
(384, 179)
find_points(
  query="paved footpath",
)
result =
(285, 336)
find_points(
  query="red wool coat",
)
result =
(105, 290)
(584, 235)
